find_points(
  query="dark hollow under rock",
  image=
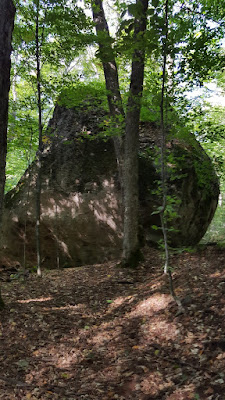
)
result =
(81, 197)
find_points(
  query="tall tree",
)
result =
(6, 27)
(107, 57)
(127, 157)
(38, 41)
(131, 250)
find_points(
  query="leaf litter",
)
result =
(84, 333)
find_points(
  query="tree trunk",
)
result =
(163, 146)
(127, 158)
(131, 247)
(7, 14)
(40, 145)
(107, 57)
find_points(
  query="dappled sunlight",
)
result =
(189, 338)
(61, 244)
(61, 356)
(119, 301)
(83, 226)
(156, 285)
(106, 333)
(218, 274)
(187, 392)
(58, 206)
(149, 306)
(112, 204)
(40, 299)
(74, 308)
(159, 330)
(70, 351)
(105, 208)
(77, 199)
(154, 382)
(108, 183)
(84, 330)
(105, 218)
(106, 211)
(53, 358)
(52, 201)
(64, 247)
(112, 66)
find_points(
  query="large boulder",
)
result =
(81, 205)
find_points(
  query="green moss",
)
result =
(205, 175)
(89, 95)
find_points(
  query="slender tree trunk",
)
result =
(7, 13)
(39, 161)
(163, 146)
(107, 57)
(131, 247)
(167, 269)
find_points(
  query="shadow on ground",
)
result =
(100, 332)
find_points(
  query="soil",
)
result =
(100, 332)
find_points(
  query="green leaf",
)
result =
(155, 227)
(160, 209)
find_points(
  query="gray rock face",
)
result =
(81, 198)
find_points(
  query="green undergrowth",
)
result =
(216, 230)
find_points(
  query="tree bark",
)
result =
(131, 246)
(163, 145)
(128, 156)
(107, 57)
(7, 14)
(40, 145)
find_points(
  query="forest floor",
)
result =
(100, 332)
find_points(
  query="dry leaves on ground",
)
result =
(99, 332)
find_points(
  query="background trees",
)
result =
(62, 35)
(43, 31)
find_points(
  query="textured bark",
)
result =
(128, 165)
(7, 12)
(6, 27)
(111, 78)
(131, 252)
(39, 163)
(163, 149)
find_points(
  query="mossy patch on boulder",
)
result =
(81, 200)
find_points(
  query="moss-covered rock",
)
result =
(192, 191)
(81, 197)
